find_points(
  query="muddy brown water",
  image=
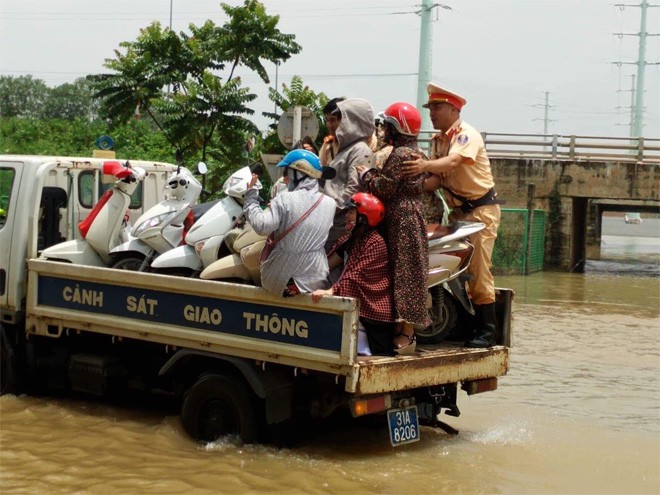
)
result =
(579, 412)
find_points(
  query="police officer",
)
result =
(461, 167)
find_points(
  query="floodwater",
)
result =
(579, 412)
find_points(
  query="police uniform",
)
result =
(470, 191)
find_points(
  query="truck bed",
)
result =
(238, 320)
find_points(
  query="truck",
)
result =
(236, 359)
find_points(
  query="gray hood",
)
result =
(357, 122)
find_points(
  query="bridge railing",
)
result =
(557, 147)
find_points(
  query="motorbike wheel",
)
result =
(131, 261)
(443, 316)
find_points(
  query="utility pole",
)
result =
(638, 123)
(425, 67)
(424, 70)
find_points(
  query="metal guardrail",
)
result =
(560, 147)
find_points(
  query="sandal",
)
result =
(408, 347)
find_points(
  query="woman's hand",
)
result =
(318, 294)
(253, 181)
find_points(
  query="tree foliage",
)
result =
(180, 81)
(22, 96)
(294, 94)
(71, 101)
(251, 36)
(76, 137)
(26, 97)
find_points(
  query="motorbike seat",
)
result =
(435, 231)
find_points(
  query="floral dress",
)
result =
(405, 230)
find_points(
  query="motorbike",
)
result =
(106, 225)
(450, 253)
(163, 226)
(204, 241)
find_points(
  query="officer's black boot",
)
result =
(484, 335)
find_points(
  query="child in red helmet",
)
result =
(366, 275)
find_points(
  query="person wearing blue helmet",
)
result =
(297, 222)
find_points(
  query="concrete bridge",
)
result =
(575, 179)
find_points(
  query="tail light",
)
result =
(187, 224)
(370, 405)
(465, 254)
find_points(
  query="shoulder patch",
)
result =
(462, 138)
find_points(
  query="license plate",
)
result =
(404, 425)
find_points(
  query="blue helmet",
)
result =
(308, 163)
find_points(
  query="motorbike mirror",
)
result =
(202, 168)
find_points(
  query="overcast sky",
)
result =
(501, 55)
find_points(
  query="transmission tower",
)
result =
(546, 111)
(631, 108)
(641, 63)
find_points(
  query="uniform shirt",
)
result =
(471, 180)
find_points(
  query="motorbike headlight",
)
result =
(153, 222)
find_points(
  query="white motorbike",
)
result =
(163, 226)
(105, 227)
(450, 253)
(204, 240)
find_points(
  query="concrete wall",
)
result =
(574, 194)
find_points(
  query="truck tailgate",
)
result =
(432, 365)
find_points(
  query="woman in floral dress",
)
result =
(405, 228)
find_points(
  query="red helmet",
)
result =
(369, 206)
(405, 118)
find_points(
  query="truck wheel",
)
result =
(443, 316)
(9, 373)
(131, 261)
(218, 405)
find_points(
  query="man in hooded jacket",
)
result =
(353, 134)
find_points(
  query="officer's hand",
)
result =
(412, 168)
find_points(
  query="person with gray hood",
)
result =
(355, 129)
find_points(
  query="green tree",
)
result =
(70, 101)
(175, 79)
(22, 96)
(294, 94)
(251, 36)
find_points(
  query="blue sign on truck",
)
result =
(260, 321)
